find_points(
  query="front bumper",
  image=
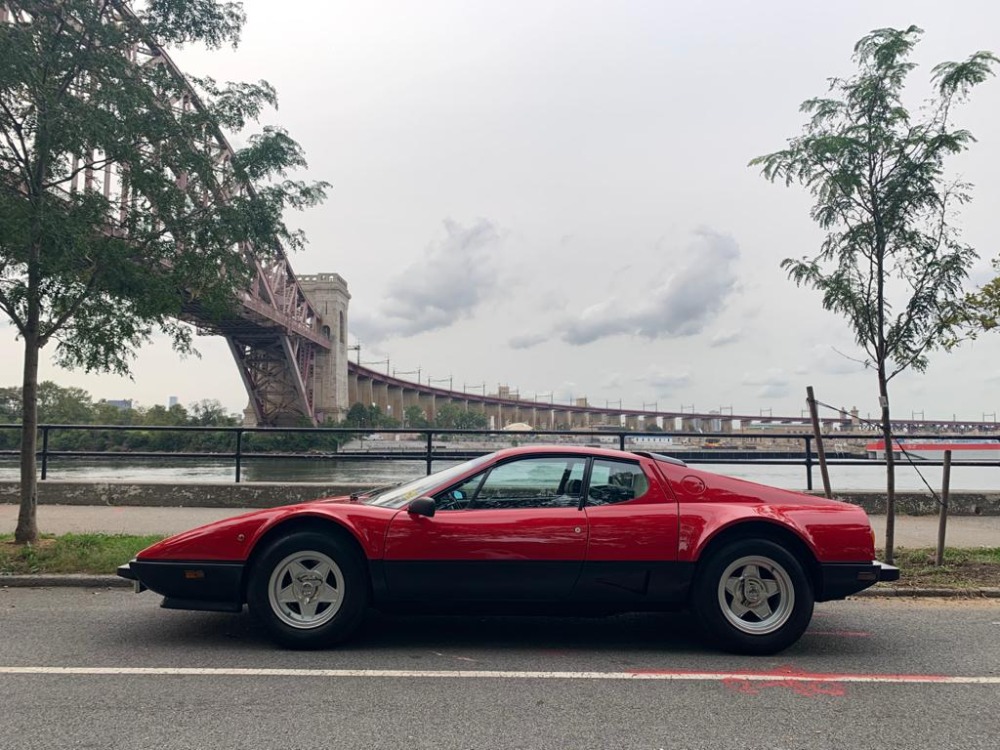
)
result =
(839, 580)
(210, 586)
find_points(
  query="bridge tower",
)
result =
(329, 297)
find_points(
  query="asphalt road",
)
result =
(106, 669)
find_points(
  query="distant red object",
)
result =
(971, 450)
(540, 529)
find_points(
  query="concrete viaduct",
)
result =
(337, 383)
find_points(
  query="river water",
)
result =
(377, 472)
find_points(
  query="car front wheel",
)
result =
(309, 590)
(753, 597)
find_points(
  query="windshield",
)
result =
(399, 496)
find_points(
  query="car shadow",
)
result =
(213, 637)
(625, 632)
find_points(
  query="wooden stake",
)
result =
(820, 453)
(943, 517)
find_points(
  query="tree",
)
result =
(981, 308)
(472, 419)
(10, 405)
(120, 209)
(211, 413)
(448, 416)
(360, 415)
(414, 416)
(891, 263)
(159, 415)
(59, 405)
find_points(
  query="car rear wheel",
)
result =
(753, 597)
(309, 590)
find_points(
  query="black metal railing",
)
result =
(235, 445)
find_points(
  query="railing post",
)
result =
(809, 463)
(239, 453)
(45, 450)
(621, 441)
(430, 447)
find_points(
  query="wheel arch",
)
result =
(772, 532)
(296, 524)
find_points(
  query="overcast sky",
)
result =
(555, 196)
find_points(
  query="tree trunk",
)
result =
(27, 519)
(890, 468)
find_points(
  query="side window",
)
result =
(615, 482)
(459, 496)
(533, 483)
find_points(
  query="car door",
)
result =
(633, 532)
(512, 533)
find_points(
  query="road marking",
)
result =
(784, 675)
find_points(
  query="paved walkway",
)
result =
(911, 531)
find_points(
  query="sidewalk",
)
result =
(911, 531)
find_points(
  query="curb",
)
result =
(903, 591)
(76, 581)
(106, 581)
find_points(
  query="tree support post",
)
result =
(820, 452)
(943, 513)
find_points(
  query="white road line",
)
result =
(666, 676)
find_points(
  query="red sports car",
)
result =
(540, 529)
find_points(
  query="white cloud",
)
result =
(724, 338)
(527, 340)
(824, 359)
(772, 384)
(665, 383)
(446, 284)
(691, 296)
(566, 392)
(614, 381)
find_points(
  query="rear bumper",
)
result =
(211, 586)
(839, 580)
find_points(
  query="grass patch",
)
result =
(70, 553)
(962, 568)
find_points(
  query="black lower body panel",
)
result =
(529, 585)
(640, 584)
(838, 580)
(208, 586)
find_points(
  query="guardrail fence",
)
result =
(430, 445)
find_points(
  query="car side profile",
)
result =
(542, 529)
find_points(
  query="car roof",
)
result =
(577, 450)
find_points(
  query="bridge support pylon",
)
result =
(328, 294)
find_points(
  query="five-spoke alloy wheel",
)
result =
(306, 589)
(753, 596)
(309, 589)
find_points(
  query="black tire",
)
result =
(321, 605)
(752, 597)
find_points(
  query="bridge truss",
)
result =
(275, 334)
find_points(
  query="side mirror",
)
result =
(422, 506)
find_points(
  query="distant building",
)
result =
(124, 404)
(651, 440)
(787, 427)
(171, 402)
